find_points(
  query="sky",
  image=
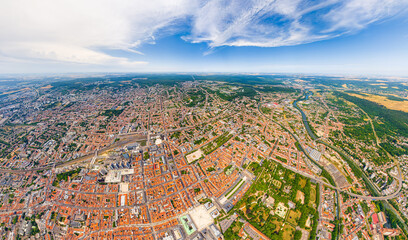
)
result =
(349, 37)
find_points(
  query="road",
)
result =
(367, 180)
(320, 180)
(341, 152)
(127, 139)
(76, 160)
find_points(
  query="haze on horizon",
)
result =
(366, 37)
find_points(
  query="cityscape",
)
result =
(198, 157)
(204, 120)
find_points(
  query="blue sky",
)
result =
(364, 37)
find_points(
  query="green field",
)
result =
(234, 189)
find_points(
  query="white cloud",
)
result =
(82, 32)
(62, 52)
(357, 14)
(78, 31)
(273, 23)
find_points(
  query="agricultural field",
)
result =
(394, 103)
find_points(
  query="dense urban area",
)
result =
(205, 156)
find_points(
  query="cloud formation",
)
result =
(82, 32)
(274, 23)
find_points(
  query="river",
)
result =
(304, 117)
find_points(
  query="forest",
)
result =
(392, 122)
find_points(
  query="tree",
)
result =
(298, 235)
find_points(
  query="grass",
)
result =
(218, 142)
(288, 232)
(233, 190)
(293, 217)
(302, 182)
(312, 195)
(278, 223)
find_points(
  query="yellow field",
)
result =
(46, 87)
(390, 104)
(317, 94)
